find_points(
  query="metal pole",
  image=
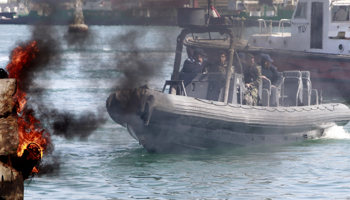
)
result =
(177, 62)
(209, 7)
(239, 62)
(229, 66)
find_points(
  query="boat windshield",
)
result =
(340, 13)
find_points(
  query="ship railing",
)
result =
(262, 26)
(263, 29)
(281, 24)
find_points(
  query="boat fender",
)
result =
(147, 113)
(124, 103)
(114, 108)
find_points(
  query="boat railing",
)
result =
(178, 84)
(263, 29)
(295, 88)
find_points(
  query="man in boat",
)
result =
(220, 66)
(194, 64)
(341, 14)
(252, 79)
(269, 72)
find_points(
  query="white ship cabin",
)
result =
(318, 26)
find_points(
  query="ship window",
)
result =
(300, 12)
(340, 13)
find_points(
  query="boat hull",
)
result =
(170, 123)
(187, 138)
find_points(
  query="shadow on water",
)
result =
(141, 158)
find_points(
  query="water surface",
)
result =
(110, 164)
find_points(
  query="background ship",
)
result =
(317, 42)
(137, 12)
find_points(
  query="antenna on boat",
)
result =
(209, 6)
(239, 61)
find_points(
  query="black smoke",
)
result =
(48, 54)
(48, 60)
(50, 164)
(80, 40)
(133, 61)
(62, 123)
(72, 125)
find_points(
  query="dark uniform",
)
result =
(252, 76)
(191, 66)
(272, 74)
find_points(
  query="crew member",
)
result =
(270, 72)
(220, 66)
(252, 78)
(194, 64)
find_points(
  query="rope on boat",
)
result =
(272, 109)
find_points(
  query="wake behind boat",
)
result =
(198, 111)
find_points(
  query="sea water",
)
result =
(110, 164)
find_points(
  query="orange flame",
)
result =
(28, 126)
(35, 170)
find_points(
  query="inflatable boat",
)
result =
(199, 111)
